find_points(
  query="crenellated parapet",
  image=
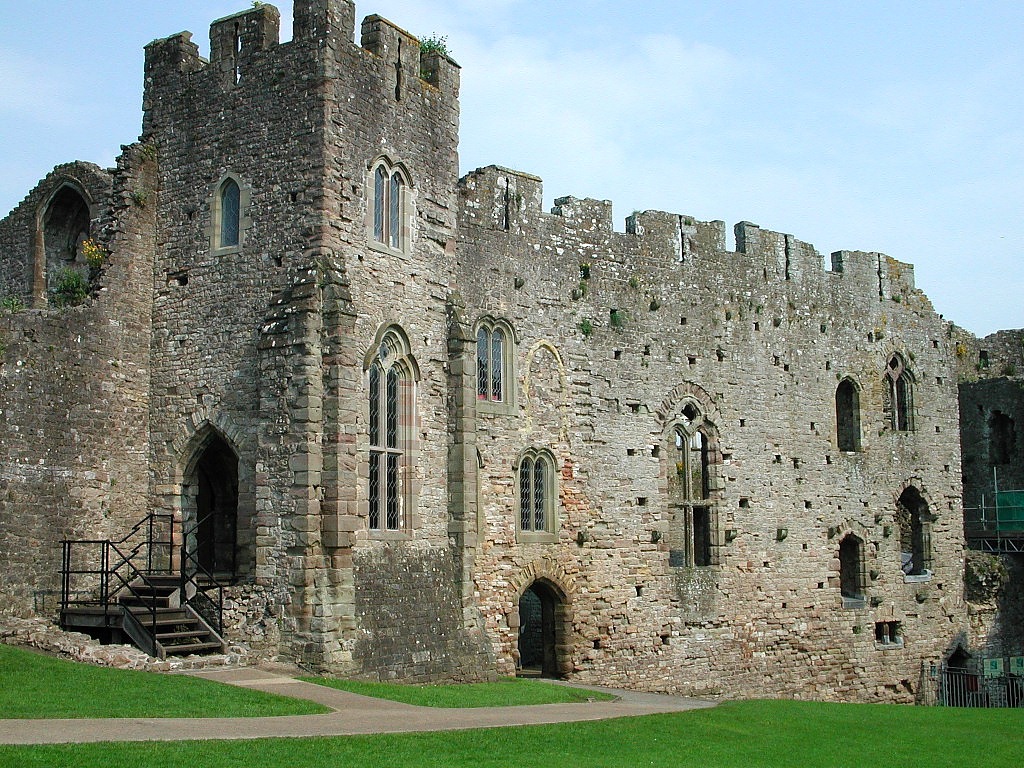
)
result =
(246, 53)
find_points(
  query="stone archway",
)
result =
(210, 506)
(542, 642)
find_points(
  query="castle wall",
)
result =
(621, 329)
(74, 386)
(209, 347)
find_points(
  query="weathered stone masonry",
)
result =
(635, 477)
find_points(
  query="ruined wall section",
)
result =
(74, 384)
(22, 250)
(615, 332)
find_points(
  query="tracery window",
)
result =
(690, 490)
(899, 391)
(537, 496)
(389, 200)
(494, 364)
(391, 418)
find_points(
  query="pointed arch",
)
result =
(693, 473)
(230, 202)
(391, 376)
(388, 215)
(899, 393)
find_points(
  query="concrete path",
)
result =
(353, 714)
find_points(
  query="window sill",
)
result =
(500, 408)
(379, 247)
(227, 250)
(891, 646)
(917, 578)
(379, 535)
(536, 537)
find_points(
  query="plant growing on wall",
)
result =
(70, 289)
(435, 44)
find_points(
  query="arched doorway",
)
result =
(541, 630)
(211, 507)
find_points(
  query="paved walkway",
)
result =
(353, 714)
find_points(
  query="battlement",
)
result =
(323, 29)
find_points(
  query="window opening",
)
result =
(1002, 438)
(533, 493)
(690, 490)
(847, 416)
(900, 393)
(388, 420)
(230, 213)
(851, 584)
(913, 519)
(388, 191)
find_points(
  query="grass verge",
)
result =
(507, 692)
(758, 734)
(36, 686)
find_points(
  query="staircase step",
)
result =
(188, 648)
(161, 636)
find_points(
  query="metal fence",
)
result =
(977, 687)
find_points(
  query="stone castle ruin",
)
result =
(392, 423)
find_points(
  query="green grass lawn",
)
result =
(33, 685)
(507, 692)
(751, 734)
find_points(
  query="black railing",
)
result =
(104, 574)
(197, 584)
(94, 571)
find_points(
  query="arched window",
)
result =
(851, 570)
(690, 491)
(389, 193)
(900, 394)
(230, 213)
(391, 417)
(228, 219)
(536, 495)
(914, 522)
(847, 416)
(494, 370)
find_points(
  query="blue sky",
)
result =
(888, 126)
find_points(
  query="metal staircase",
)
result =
(144, 589)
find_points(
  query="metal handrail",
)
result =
(122, 571)
(190, 569)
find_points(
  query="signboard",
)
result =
(993, 667)
(1017, 665)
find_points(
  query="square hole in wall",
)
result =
(757, 326)
(634, 407)
(617, 354)
(631, 451)
(691, 359)
(682, 321)
(744, 502)
(743, 422)
(641, 501)
(807, 504)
